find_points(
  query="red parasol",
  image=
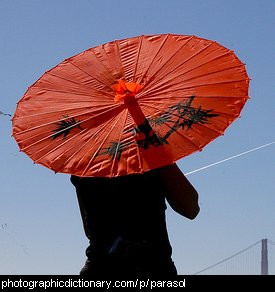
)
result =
(131, 105)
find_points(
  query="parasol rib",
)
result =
(164, 81)
(118, 142)
(193, 68)
(209, 74)
(211, 129)
(157, 99)
(57, 111)
(153, 58)
(185, 138)
(89, 140)
(59, 146)
(110, 76)
(121, 65)
(103, 141)
(74, 93)
(214, 112)
(75, 116)
(77, 83)
(137, 58)
(97, 132)
(51, 135)
(107, 85)
(151, 77)
(193, 86)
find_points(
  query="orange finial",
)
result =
(125, 89)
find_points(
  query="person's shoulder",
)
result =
(74, 179)
(78, 180)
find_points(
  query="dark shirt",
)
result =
(125, 216)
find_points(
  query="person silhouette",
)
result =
(124, 220)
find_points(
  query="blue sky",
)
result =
(40, 227)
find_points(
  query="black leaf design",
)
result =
(181, 115)
(64, 127)
(115, 149)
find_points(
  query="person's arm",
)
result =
(179, 192)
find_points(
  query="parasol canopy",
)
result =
(131, 105)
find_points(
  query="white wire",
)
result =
(229, 158)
